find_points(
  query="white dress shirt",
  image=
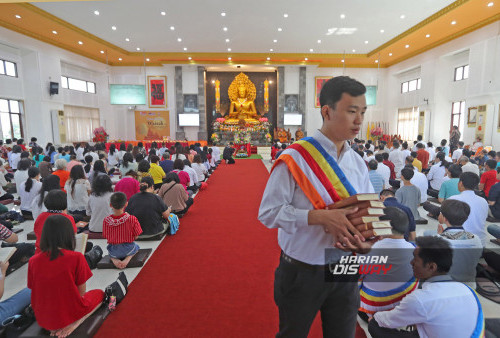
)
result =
(193, 177)
(476, 223)
(432, 153)
(420, 181)
(285, 206)
(216, 153)
(470, 167)
(442, 308)
(436, 176)
(397, 158)
(457, 154)
(385, 172)
(79, 154)
(28, 197)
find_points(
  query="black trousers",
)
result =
(432, 209)
(6, 197)
(300, 293)
(376, 331)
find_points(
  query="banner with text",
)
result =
(151, 125)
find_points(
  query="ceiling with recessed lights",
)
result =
(354, 33)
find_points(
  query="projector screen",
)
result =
(127, 94)
(186, 120)
(293, 120)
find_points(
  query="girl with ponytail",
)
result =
(127, 164)
(28, 190)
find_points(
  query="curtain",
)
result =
(408, 123)
(80, 123)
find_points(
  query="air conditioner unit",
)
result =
(58, 127)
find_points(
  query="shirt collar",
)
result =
(329, 146)
(468, 192)
(439, 278)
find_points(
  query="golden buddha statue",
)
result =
(242, 94)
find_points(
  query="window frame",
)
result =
(405, 86)
(461, 115)
(461, 69)
(19, 116)
(4, 68)
(65, 79)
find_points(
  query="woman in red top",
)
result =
(128, 184)
(56, 203)
(57, 278)
(183, 176)
(61, 172)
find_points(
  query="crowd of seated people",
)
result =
(124, 195)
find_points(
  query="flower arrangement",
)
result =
(215, 137)
(376, 133)
(269, 138)
(100, 135)
(220, 120)
(263, 119)
(248, 137)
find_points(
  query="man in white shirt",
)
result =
(468, 166)
(305, 232)
(216, 153)
(458, 153)
(369, 156)
(476, 223)
(442, 308)
(420, 181)
(383, 170)
(431, 150)
(395, 157)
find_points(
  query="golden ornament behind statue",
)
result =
(242, 94)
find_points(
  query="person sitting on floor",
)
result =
(72, 163)
(22, 254)
(143, 167)
(78, 191)
(98, 204)
(156, 171)
(489, 177)
(183, 175)
(149, 209)
(128, 184)
(174, 194)
(127, 164)
(21, 173)
(442, 308)
(121, 230)
(199, 168)
(467, 247)
(388, 198)
(98, 169)
(468, 166)
(57, 278)
(28, 191)
(437, 174)
(384, 292)
(494, 199)
(60, 166)
(376, 179)
(408, 194)
(167, 164)
(194, 183)
(48, 184)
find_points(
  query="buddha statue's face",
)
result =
(242, 91)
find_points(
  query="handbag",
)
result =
(116, 291)
(14, 326)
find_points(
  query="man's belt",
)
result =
(313, 267)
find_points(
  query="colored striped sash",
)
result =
(316, 172)
(479, 330)
(374, 301)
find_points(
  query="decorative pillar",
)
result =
(281, 97)
(202, 132)
(179, 104)
(302, 97)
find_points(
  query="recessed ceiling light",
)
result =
(305, 59)
(275, 40)
(224, 29)
(402, 16)
(147, 59)
(102, 52)
(376, 61)
(179, 39)
(213, 81)
(189, 58)
(428, 36)
(227, 40)
(354, 51)
(229, 49)
(271, 50)
(172, 28)
(54, 32)
(382, 31)
(138, 48)
(280, 29)
(453, 22)
(390, 54)
(268, 59)
(113, 28)
(96, 12)
(229, 58)
(342, 16)
(18, 16)
(119, 59)
(185, 48)
(163, 13)
(311, 50)
(285, 15)
(342, 60)
(407, 46)
(223, 14)
(319, 41)
(127, 39)
(80, 43)
(490, 4)
(366, 41)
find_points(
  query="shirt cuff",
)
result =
(301, 217)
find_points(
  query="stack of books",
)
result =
(367, 218)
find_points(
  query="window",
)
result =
(79, 85)
(408, 123)
(458, 115)
(410, 86)
(462, 73)
(10, 118)
(8, 68)
(80, 122)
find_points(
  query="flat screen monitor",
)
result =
(127, 94)
(293, 119)
(188, 120)
(371, 95)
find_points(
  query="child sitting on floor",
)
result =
(408, 194)
(121, 230)
(57, 278)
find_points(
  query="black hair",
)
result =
(25, 154)
(404, 145)
(398, 218)
(461, 143)
(385, 156)
(373, 165)
(118, 200)
(178, 164)
(123, 147)
(420, 145)
(17, 149)
(20, 141)
(440, 155)
(99, 166)
(139, 158)
(455, 170)
(172, 177)
(32, 173)
(57, 234)
(379, 158)
(492, 153)
(332, 90)
(469, 180)
(146, 183)
(434, 249)
(492, 164)
(414, 154)
(102, 156)
(419, 137)
(407, 173)
(24, 164)
(56, 200)
(88, 160)
(140, 145)
(112, 149)
(33, 139)
(101, 184)
(429, 144)
(143, 166)
(395, 144)
(387, 192)
(127, 158)
(75, 174)
(197, 159)
(154, 159)
(443, 142)
(455, 211)
(51, 182)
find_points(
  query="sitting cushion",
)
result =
(31, 236)
(94, 235)
(158, 237)
(17, 230)
(136, 262)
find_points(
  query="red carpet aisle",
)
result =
(214, 278)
